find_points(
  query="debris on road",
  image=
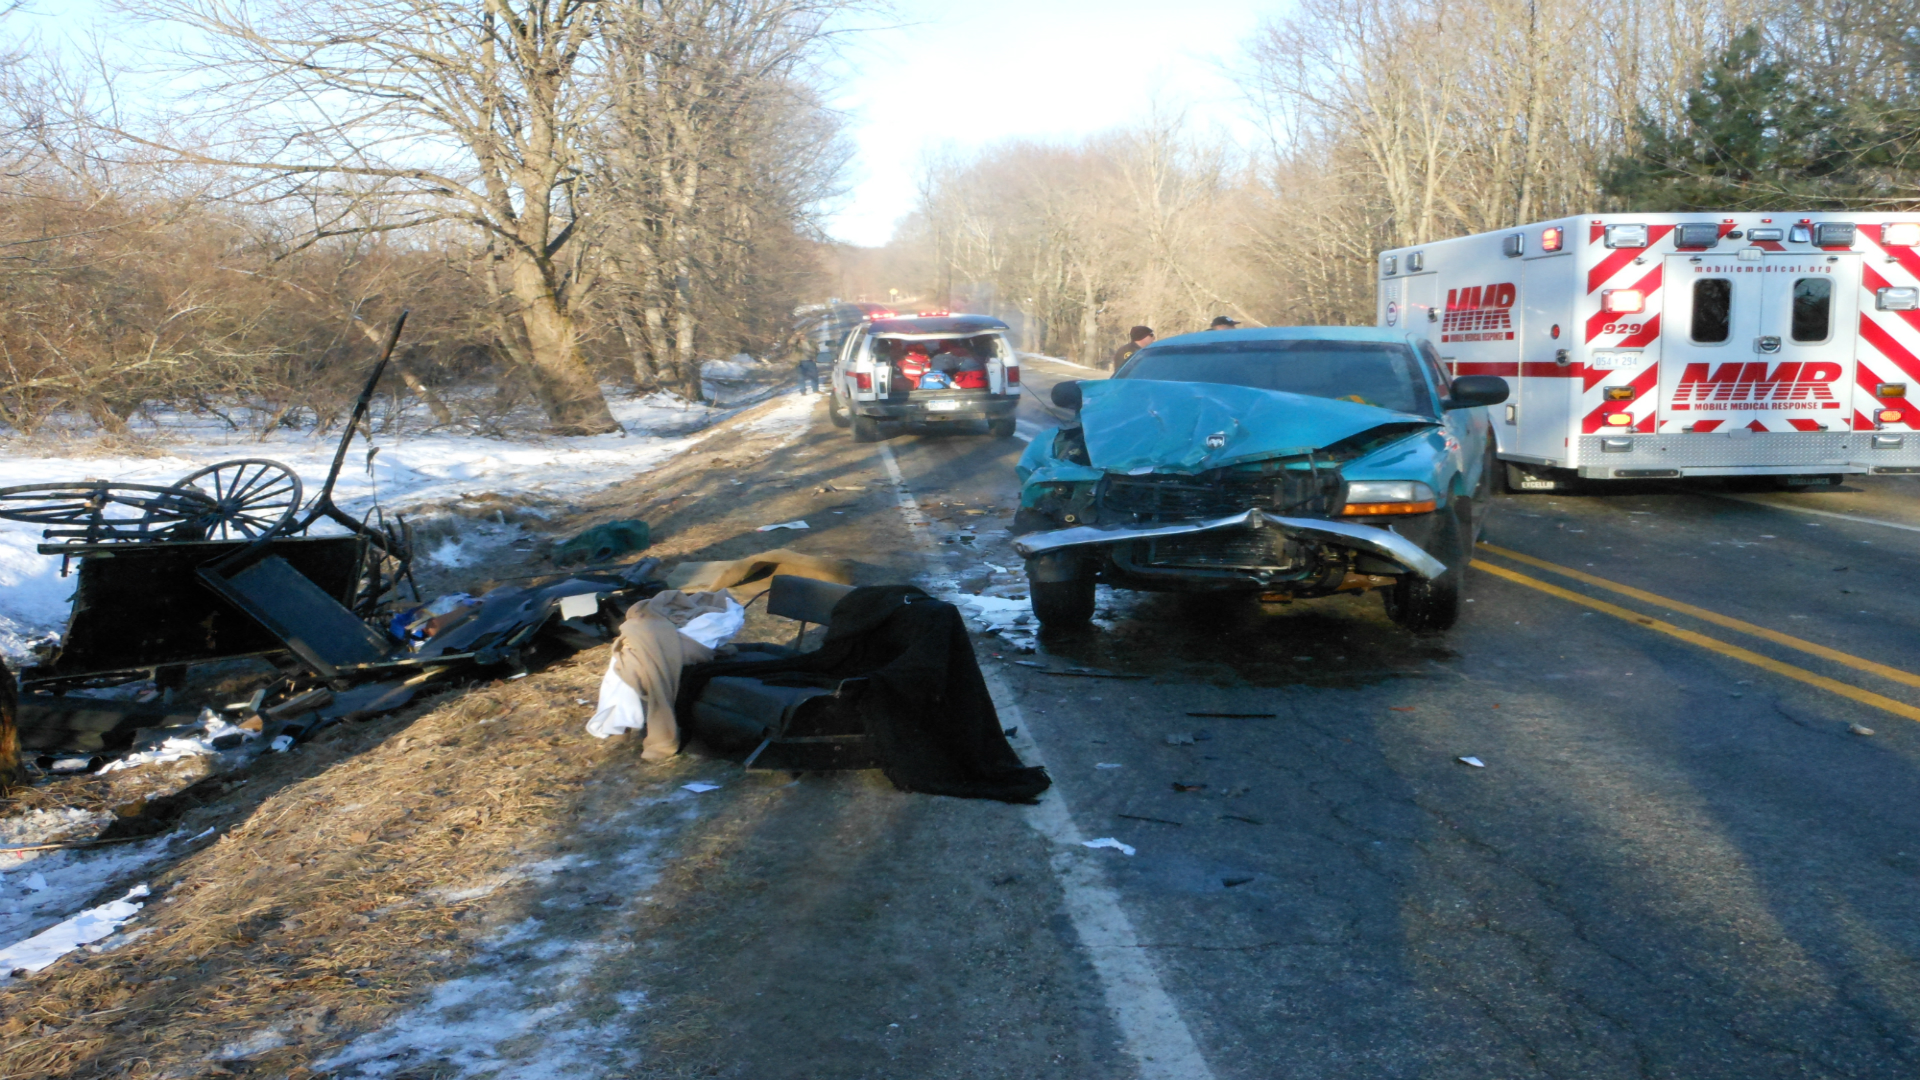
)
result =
(749, 577)
(1180, 738)
(1155, 820)
(796, 524)
(604, 542)
(1474, 761)
(1108, 842)
(1859, 729)
(1179, 785)
(895, 682)
(700, 787)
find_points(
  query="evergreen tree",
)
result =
(1750, 136)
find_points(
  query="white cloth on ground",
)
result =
(646, 663)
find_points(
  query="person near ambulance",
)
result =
(1223, 322)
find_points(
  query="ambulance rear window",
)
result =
(1812, 309)
(1712, 310)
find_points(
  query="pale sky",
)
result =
(965, 73)
(1047, 69)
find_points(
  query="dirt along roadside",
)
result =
(477, 887)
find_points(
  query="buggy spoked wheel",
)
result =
(248, 498)
(103, 512)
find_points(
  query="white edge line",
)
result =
(1153, 1031)
(1817, 513)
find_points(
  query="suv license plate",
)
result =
(943, 406)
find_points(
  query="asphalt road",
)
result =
(1680, 858)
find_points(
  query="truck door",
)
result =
(1763, 344)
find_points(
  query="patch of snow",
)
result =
(176, 747)
(537, 1003)
(40, 888)
(41, 950)
(252, 1046)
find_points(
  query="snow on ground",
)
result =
(550, 994)
(40, 888)
(411, 472)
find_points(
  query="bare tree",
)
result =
(439, 109)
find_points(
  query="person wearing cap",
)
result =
(1223, 322)
(1137, 338)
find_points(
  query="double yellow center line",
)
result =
(1854, 693)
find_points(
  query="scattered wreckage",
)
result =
(221, 566)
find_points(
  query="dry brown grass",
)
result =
(315, 913)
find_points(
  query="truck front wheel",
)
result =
(1430, 605)
(1062, 590)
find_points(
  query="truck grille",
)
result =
(1224, 548)
(1218, 493)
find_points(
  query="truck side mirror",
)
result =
(1473, 391)
(1066, 395)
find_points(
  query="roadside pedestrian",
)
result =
(1137, 338)
(806, 369)
(1223, 322)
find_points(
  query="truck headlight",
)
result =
(1374, 498)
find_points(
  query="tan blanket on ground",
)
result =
(649, 654)
(749, 577)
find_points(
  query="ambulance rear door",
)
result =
(1762, 343)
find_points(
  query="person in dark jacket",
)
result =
(806, 369)
(1223, 322)
(1137, 338)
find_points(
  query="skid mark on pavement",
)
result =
(1148, 1019)
(1854, 693)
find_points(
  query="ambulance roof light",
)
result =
(1626, 236)
(1833, 234)
(1901, 234)
(1551, 239)
(1697, 235)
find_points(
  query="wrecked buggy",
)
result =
(1290, 462)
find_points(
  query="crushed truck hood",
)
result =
(1140, 425)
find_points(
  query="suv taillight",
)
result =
(1013, 375)
(862, 380)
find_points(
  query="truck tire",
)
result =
(1427, 606)
(1001, 428)
(836, 412)
(865, 428)
(1062, 590)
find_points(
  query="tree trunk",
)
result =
(566, 388)
(9, 734)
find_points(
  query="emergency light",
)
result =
(1626, 236)
(1551, 239)
(1897, 298)
(1623, 301)
(1620, 419)
(1833, 234)
(1888, 416)
(1766, 234)
(1699, 235)
(1901, 234)
(1890, 389)
(934, 314)
(1619, 393)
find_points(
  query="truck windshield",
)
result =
(1369, 372)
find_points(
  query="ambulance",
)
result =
(1777, 349)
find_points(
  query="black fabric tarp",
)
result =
(920, 694)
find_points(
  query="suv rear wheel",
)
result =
(865, 429)
(1001, 428)
(836, 412)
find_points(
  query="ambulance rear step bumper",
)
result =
(1747, 453)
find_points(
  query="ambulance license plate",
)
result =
(943, 406)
